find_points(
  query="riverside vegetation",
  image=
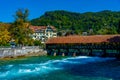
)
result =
(17, 31)
(67, 23)
(103, 22)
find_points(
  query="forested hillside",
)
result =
(104, 22)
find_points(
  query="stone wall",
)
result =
(13, 52)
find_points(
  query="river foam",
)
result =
(17, 70)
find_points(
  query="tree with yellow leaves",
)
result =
(4, 36)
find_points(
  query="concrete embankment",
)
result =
(25, 51)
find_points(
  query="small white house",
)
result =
(43, 33)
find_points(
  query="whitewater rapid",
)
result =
(18, 70)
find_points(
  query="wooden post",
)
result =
(104, 53)
(54, 54)
(68, 52)
(118, 54)
(74, 54)
(90, 53)
(63, 54)
(49, 52)
(79, 51)
(58, 51)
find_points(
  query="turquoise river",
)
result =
(60, 68)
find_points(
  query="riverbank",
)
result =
(25, 56)
(8, 53)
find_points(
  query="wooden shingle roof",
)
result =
(84, 39)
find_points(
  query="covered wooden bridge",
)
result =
(100, 45)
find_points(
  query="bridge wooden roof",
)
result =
(84, 39)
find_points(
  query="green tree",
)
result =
(20, 28)
(37, 42)
(119, 27)
(64, 20)
(107, 30)
(22, 14)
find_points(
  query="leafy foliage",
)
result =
(37, 42)
(20, 28)
(17, 31)
(4, 34)
(22, 14)
(81, 22)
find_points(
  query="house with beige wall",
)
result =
(43, 33)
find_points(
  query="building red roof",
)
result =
(84, 39)
(34, 28)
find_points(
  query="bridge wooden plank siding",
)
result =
(85, 45)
